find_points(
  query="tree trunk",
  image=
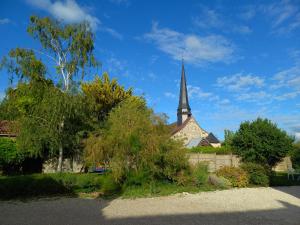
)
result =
(60, 159)
(61, 151)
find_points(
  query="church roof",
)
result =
(211, 138)
(180, 127)
(183, 96)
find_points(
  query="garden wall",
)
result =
(215, 161)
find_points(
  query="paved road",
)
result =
(238, 206)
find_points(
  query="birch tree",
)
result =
(69, 48)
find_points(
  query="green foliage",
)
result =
(70, 46)
(36, 185)
(258, 175)
(228, 137)
(223, 150)
(295, 155)
(10, 156)
(102, 95)
(200, 174)
(219, 182)
(281, 179)
(110, 186)
(261, 142)
(237, 176)
(134, 140)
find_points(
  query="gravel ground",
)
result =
(236, 206)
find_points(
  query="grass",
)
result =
(40, 185)
(162, 189)
(281, 179)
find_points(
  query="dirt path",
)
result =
(237, 206)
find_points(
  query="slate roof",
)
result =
(212, 138)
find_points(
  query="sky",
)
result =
(242, 58)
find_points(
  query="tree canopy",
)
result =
(261, 141)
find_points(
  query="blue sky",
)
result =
(242, 58)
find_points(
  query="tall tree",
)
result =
(70, 47)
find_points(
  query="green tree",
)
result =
(136, 141)
(295, 155)
(101, 96)
(228, 136)
(262, 142)
(70, 47)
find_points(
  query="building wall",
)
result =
(215, 161)
(190, 131)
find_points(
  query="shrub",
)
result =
(220, 182)
(257, 174)
(200, 174)
(237, 176)
(110, 186)
(262, 142)
(295, 155)
(224, 150)
(10, 157)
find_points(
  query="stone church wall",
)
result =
(190, 131)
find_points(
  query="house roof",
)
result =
(178, 128)
(7, 128)
(211, 138)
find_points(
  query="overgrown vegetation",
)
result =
(295, 155)
(237, 176)
(258, 175)
(223, 150)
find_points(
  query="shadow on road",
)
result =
(75, 211)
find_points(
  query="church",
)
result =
(186, 127)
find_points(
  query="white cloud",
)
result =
(285, 15)
(210, 19)
(198, 93)
(254, 97)
(169, 95)
(297, 136)
(288, 78)
(195, 49)
(70, 12)
(239, 81)
(5, 21)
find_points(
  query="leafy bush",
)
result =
(262, 142)
(257, 174)
(135, 141)
(223, 150)
(200, 174)
(110, 186)
(10, 157)
(237, 176)
(220, 182)
(48, 184)
(295, 156)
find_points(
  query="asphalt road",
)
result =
(268, 206)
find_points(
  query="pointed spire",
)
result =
(184, 109)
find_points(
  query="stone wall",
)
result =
(215, 161)
(69, 165)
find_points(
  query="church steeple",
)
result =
(184, 109)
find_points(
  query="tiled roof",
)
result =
(178, 128)
(7, 128)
